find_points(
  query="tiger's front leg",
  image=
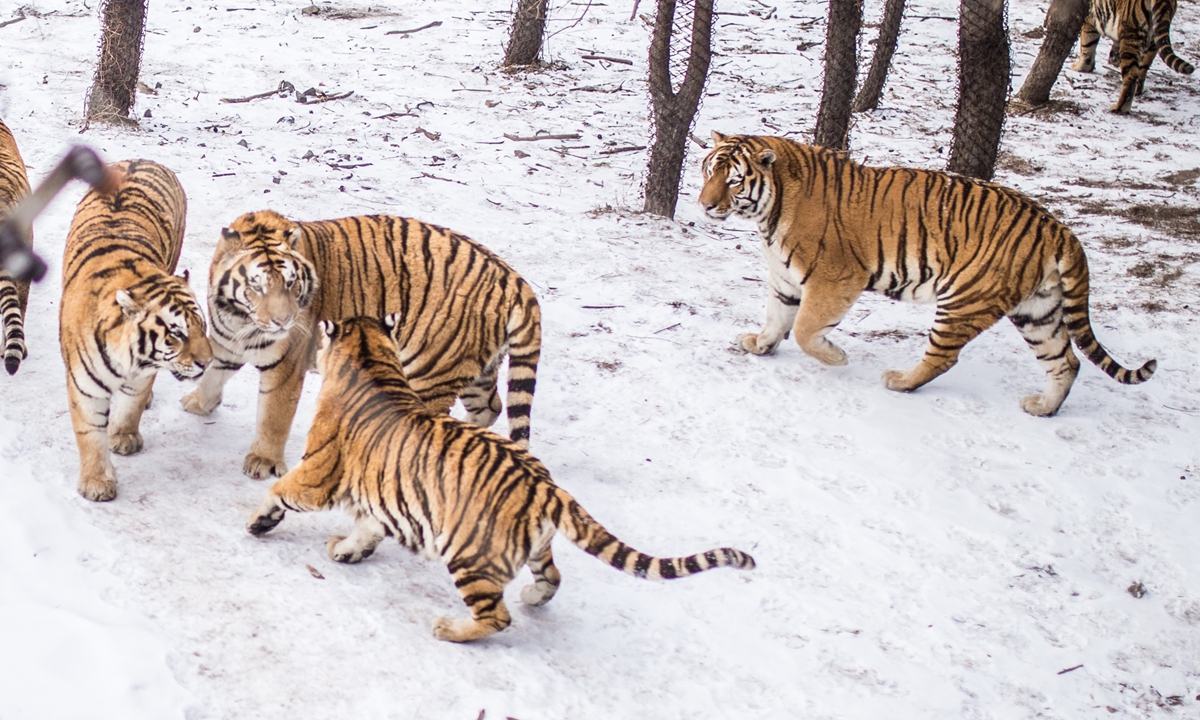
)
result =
(279, 389)
(1089, 37)
(783, 301)
(305, 488)
(360, 545)
(89, 416)
(125, 415)
(824, 306)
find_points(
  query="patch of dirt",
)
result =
(1019, 165)
(894, 335)
(1161, 271)
(347, 13)
(1047, 110)
(1181, 222)
(1183, 177)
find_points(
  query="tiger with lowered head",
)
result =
(445, 488)
(461, 308)
(832, 229)
(14, 295)
(123, 315)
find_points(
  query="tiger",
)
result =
(14, 294)
(1128, 24)
(463, 308)
(832, 228)
(124, 315)
(444, 488)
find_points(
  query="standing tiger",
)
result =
(124, 315)
(832, 228)
(14, 295)
(1138, 29)
(462, 310)
(445, 488)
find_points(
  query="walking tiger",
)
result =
(14, 295)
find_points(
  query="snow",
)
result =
(936, 554)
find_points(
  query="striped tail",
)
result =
(14, 296)
(524, 350)
(590, 536)
(1074, 271)
(1163, 13)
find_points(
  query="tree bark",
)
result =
(881, 61)
(112, 94)
(674, 111)
(529, 25)
(841, 73)
(983, 77)
(1063, 22)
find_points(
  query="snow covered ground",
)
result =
(939, 554)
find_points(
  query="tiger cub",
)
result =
(1128, 24)
(462, 310)
(124, 315)
(14, 295)
(442, 487)
(832, 228)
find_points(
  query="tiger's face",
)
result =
(259, 277)
(737, 179)
(165, 329)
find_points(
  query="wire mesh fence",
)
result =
(112, 95)
(983, 84)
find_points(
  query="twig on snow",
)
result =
(426, 133)
(627, 148)
(318, 96)
(565, 136)
(435, 177)
(284, 88)
(1064, 672)
(433, 24)
(6, 23)
(606, 58)
(698, 141)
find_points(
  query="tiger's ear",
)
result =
(231, 241)
(389, 322)
(766, 158)
(293, 236)
(187, 276)
(717, 138)
(329, 330)
(129, 306)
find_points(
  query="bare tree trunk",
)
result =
(841, 73)
(1063, 21)
(885, 47)
(983, 77)
(674, 111)
(112, 94)
(529, 25)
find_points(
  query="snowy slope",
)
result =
(939, 554)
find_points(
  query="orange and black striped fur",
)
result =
(124, 315)
(832, 228)
(14, 295)
(1139, 29)
(462, 310)
(445, 488)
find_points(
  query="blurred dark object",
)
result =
(16, 255)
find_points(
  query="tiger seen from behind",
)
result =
(444, 488)
(14, 294)
(124, 315)
(832, 228)
(462, 310)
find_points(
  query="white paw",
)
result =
(194, 403)
(750, 343)
(125, 443)
(538, 593)
(1037, 405)
(343, 551)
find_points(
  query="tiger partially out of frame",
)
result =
(462, 310)
(124, 315)
(14, 294)
(832, 229)
(447, 489)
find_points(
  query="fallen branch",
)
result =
(669, 327)
(426, 133)
(6, 23)
(433, 24)
(698, 141)
(600, 307)
(335, 166)
(566, 136)
(1064, 672)
(320, 97)
(217, 175)
(395, 115)
(633, 15)
(284, 88)
(435, 177)
(627, 148)
(623, 61)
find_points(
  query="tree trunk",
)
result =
(112, 94)
(885, 47)
(529, 25)
(983, 77)
(841, 73)
(1063, 21)
(674, 111)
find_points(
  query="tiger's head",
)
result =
(359, 343)
(163, 325)
(258, 281)
(738, 178)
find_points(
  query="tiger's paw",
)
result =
(1083, 66)
(125, 443)
(341, 551)
(460, 630)
(1038, 405)
(538, 593)
(98, 489)
(265, 518)
(898, 381)
(261, 467)
(830, 354)
(194, 403)
(750, 343)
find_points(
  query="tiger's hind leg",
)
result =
(951, 331)
(125, 417)
(546, 577)
(1040, 321)
(480, 397)
(484, 595)
(360, 544)
(1089, 37)
(14, 298)
(1132, 42)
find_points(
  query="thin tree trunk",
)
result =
(1063, 21)
(529, 25)
(674, 111)
(841, 73)
(112, 94)
(983, 77)
(881, 61)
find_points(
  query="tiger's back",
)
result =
(14, 295)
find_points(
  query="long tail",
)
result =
(524, 350)
(1072, 266)
(14, 297)
(590, 536)
(1163, 13)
